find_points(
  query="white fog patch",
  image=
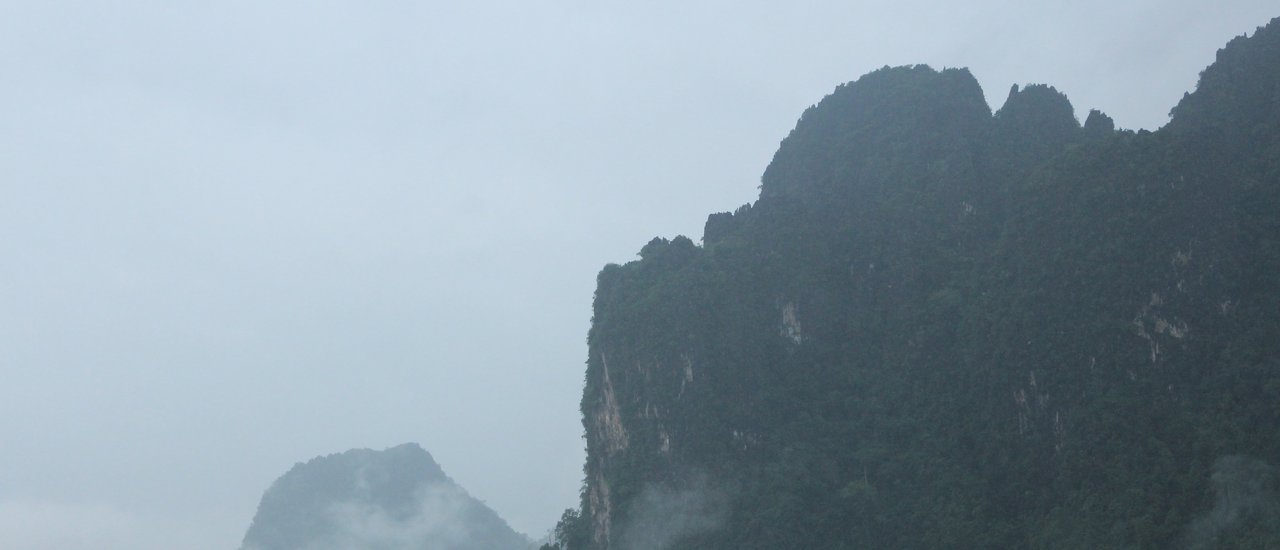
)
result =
(662, 516)
(436, 518)
(1245, 503)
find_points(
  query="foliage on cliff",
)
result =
(943, 327)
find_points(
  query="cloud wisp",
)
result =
(664, 515)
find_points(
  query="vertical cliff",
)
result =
(940, 326)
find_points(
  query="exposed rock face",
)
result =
(395, 499)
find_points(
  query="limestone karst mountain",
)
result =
(944, 327)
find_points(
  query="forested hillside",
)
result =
(944, 327)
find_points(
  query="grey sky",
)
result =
(235, 235)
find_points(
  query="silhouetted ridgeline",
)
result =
(943, 327)
(396, 499)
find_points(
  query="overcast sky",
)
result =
(235, 235)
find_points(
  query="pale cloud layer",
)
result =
(33, 524)
(240, 234)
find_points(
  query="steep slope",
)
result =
(395, 499)
(1000, 330)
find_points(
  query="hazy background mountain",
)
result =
(395, 499)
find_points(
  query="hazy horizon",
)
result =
(240, 236)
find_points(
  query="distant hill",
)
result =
(945, 327)
(395, 499)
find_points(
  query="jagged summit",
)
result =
(393, 499)
(1240, 91)
(1037, 105)
(1037, 120)
(1098, 124)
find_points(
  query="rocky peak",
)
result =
(857, 136)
